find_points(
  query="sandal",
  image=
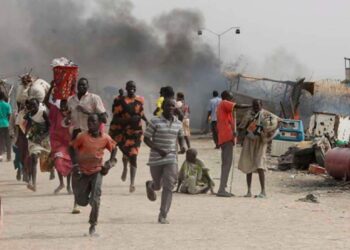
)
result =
(151, 195)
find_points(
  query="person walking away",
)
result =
(226, 137)
(260, 127)
(126, 129)
(185, 109)
(161, 136)
(212, 107)
(5, 140)
(88, 167)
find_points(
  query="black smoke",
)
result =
(111, 46)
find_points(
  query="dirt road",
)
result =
(43, 220)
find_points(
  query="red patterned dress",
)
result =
(128, 136)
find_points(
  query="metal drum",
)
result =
(337, 163)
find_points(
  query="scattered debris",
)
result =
(304, 154)
(310, 198)
(316, 169)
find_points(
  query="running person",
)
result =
(38, 137)
(88, 167)
(126, 129)
(161, 136)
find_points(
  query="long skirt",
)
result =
(252, 156)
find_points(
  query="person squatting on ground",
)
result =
(193, 176)
(213, 105)
(260, 127)
(88, 166)
(5, 114)
(38, 137)
(126, 129)
(185, 109)
(161, 136)
(226, 137)
(80, 107)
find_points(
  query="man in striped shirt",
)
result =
(161, 136)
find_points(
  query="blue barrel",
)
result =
(291, 130)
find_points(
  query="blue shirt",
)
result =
(213, 105)
(5, 111)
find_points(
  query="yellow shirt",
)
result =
(160, 101)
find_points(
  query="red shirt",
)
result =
(225, 122)
(91, 151)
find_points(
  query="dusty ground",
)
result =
(42, 220)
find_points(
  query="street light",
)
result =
(237, 31)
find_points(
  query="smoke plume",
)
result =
(111, 46)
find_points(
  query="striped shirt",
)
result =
(164, 134)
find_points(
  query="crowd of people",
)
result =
(70, 136)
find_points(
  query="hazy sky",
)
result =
(314, 32)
